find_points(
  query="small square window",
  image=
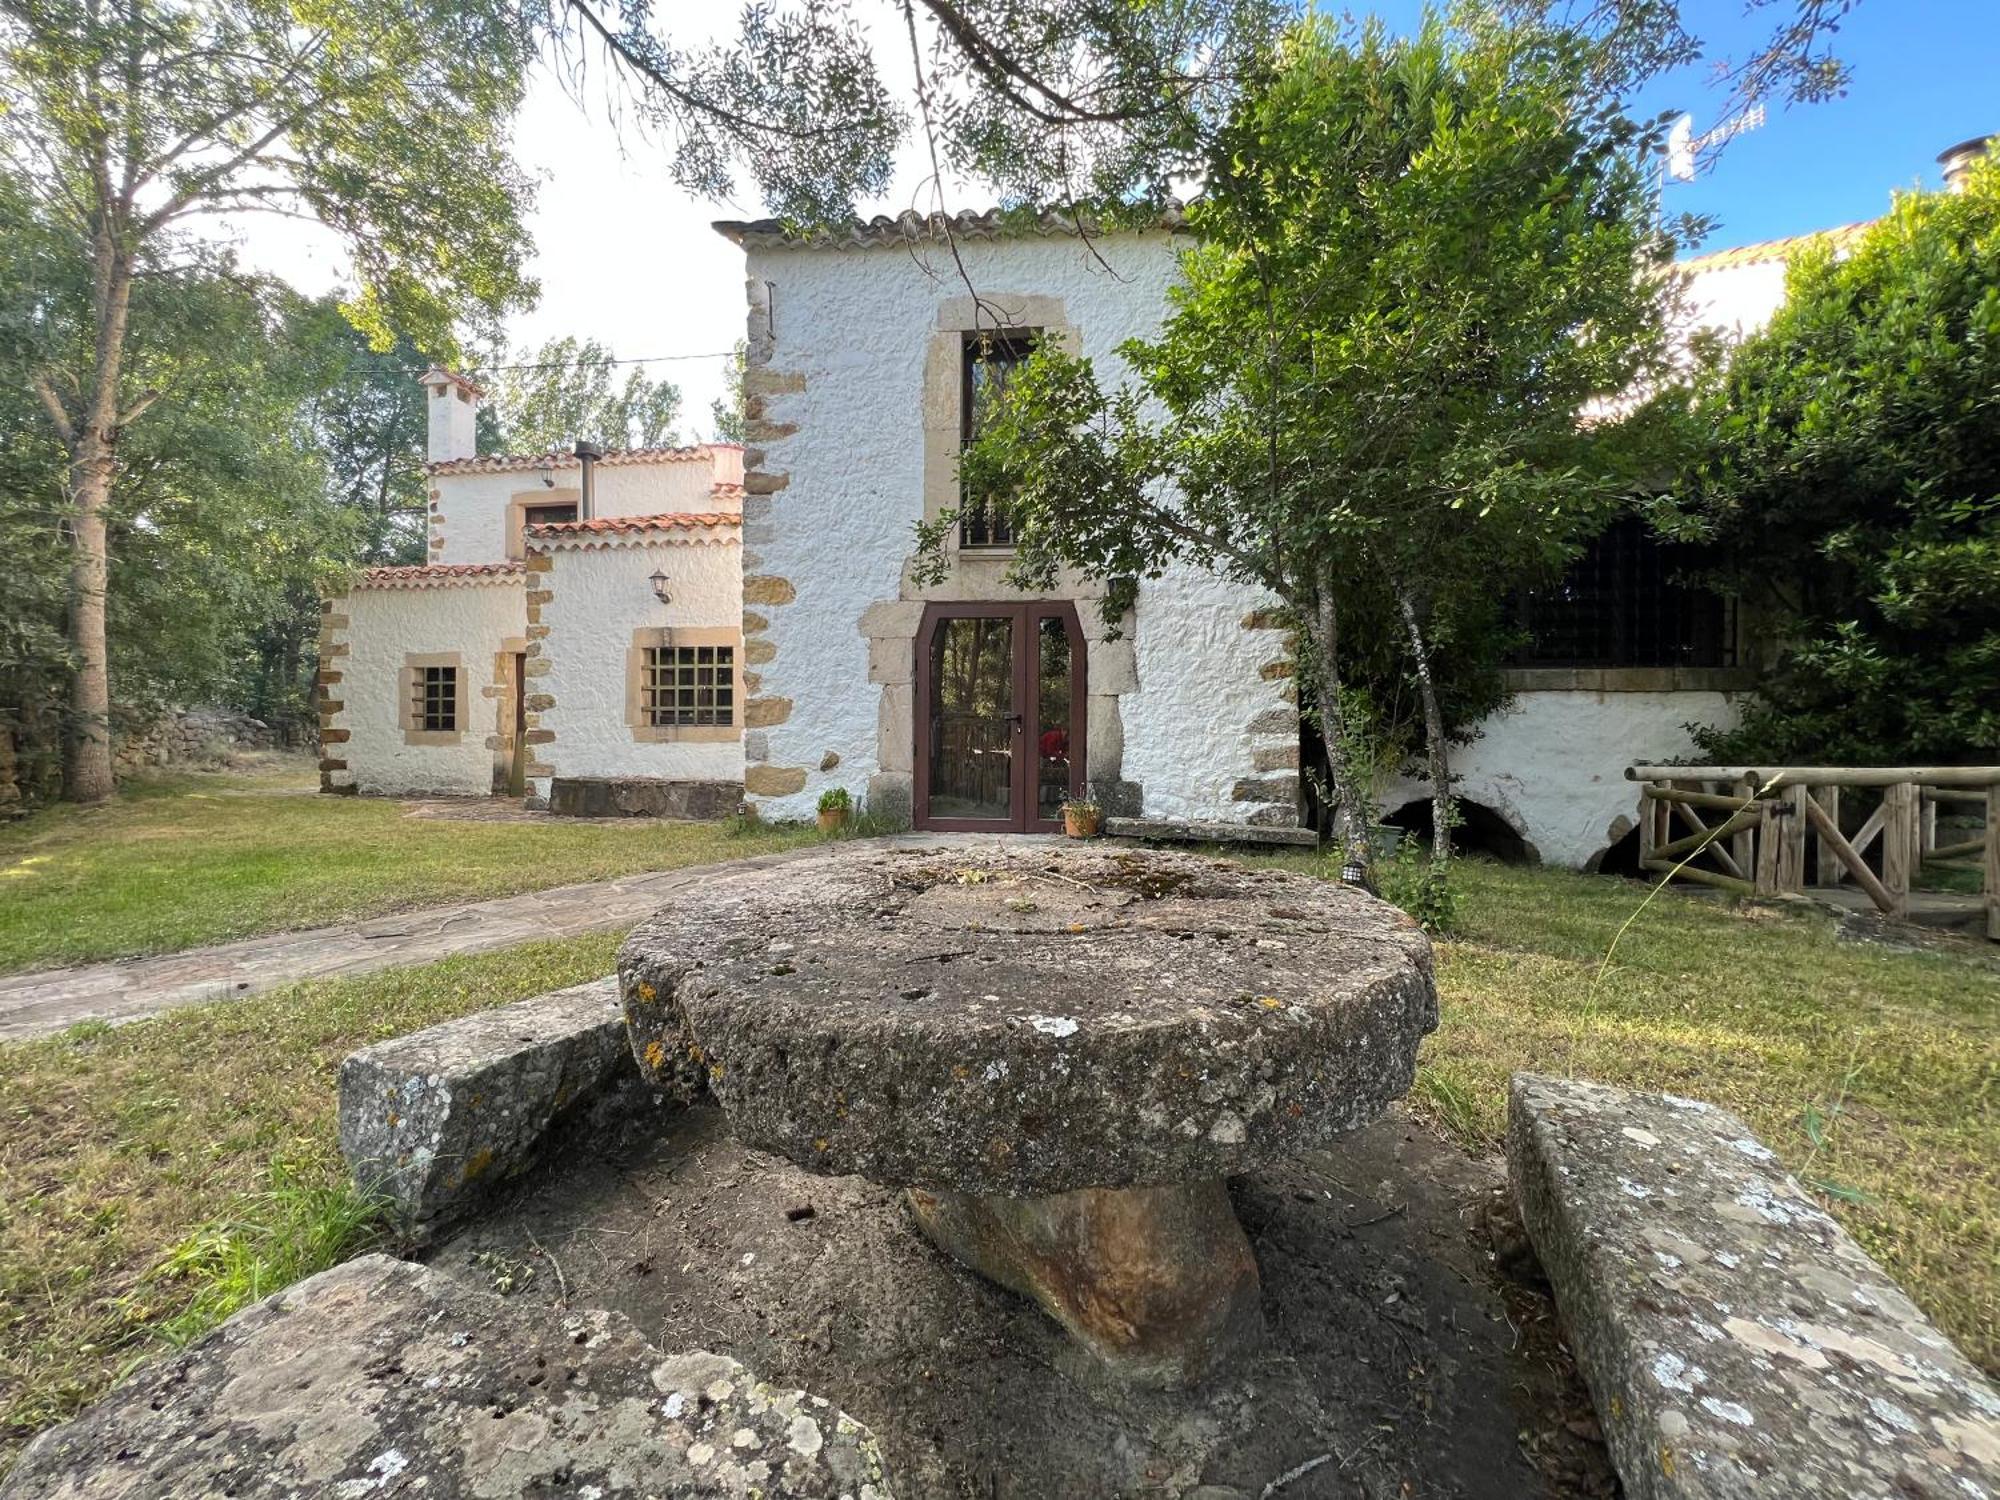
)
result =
(688, 686)
(436, 705)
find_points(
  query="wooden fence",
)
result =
(1757, 825)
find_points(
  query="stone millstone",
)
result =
(382, 1377)
(1023, 1021)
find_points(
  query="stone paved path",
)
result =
(131, 989)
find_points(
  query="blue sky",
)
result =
(1926, 76)
(627, 259)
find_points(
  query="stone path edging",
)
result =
(49, 1000)
(1738, 1344)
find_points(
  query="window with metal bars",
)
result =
(689, 685)
(1625, 603)
(436, 708)
(991, 362)
(547, 515)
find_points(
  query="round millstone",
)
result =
(1023, 1021)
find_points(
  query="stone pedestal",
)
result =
(1061, 1053)
(1158, 1282)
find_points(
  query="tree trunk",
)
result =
(1350, 817)
(1437, 753)
(93, 462)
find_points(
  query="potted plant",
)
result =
(1082, 818)
(834, 807)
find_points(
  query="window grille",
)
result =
(547, 515)
(689, 685)
(437, 699)
(1624, 603)
(991, 362)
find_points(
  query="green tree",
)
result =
(1854, 457)
(568, 389)
(1417, 264)
(725, 412)
(132, 121)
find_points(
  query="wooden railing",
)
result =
(1756, 826)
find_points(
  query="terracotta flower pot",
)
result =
(1082, 822)
(832, 820)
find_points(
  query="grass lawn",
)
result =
(206, 857)
(156, 1177)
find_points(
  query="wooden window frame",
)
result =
(1022, 343)
(517, 515)
(407, 682)
(655, 637)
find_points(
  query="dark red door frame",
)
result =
(1023, 777)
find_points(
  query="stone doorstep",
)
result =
(433, 1121)
(1173, 831)
(383, 1377)
(1736, 1341)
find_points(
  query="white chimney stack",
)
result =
(1957, 162)
(454, 412)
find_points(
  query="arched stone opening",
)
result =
(1480, 830)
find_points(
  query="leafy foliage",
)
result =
(1855, 456)
(1416, 266)
(566, 390)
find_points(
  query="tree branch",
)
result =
(52, 404)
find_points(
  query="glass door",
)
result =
(975, 721)
(999, 708)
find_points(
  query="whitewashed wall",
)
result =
(471, 514)
(1552, 764)
(598, 597)
(856, 324)
(386, 624)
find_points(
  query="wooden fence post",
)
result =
(1827, 866)
(1899, 844)
(1992, 880)
(1792, 863)
(1770, 849)
(1744, 845)
(1649, 824)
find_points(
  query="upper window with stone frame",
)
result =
(992, 359)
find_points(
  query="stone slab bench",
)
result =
(1163, 830)
(1735, 1339)
(434, 1120)
(381, 1377)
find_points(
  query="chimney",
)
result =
(1957, 161)
(454, 411)
(587, 454)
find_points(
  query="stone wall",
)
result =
(368, 638)
(590, 602)
(194, 737)
(852, 393)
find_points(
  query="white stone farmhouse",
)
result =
(969, 705)
(676, 630)
(575, 637)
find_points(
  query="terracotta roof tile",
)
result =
(438, 575)
(1841, 238)
(513, 463)
(627, 525)
(909, 228)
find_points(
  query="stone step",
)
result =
(1736, 1341)
(433, 1121)
(1168, 830)
(381, 1377)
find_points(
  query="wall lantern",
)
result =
(659, 583)
(548, 477)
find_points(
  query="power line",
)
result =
(578, 364)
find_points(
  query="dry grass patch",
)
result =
(207, 857)
(1871, 1072)
(156, 1177)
